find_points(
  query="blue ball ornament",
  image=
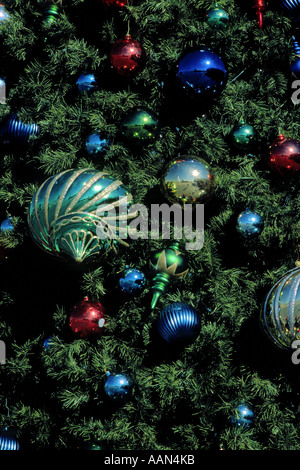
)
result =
(250, 224)
(47, 343)
(86, 82)
(295, 66)
(118, 386)
(6, 225)
(3, 13)
(243, 416)
(179, 322)
(15, 131)
(96, 144)
(132, 281)
(202, 73)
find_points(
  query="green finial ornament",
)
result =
(51, 14)
(217, 17)
(168, 264)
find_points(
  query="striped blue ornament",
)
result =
(8, 441)
(16, 131)
(179, 322)
(292, 8)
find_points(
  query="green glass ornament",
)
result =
(140, 127)
(244, 137)
(168, 264)
(71, 214)
(217, 17)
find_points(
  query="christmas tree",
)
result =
(63, 84)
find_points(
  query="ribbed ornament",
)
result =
(8, 441)
(280, 316)
(71, 214)
(292, 7)
(178, 322)
(15, 130)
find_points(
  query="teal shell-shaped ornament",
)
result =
(78, 214)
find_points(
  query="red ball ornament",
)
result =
(114, 3)
(127, 56)
(284, 155)
(87, 318)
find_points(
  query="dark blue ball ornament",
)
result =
(15, 131)
(118, 386)
(179, 322)
(201, 73)
(96, 145)
(87, 82)
(250, 224)
(132, 281)
(8, 440)
(6, 225)
(47, 343)
(243, 416)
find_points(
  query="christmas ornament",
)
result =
(295, 67)
(260, 7)
(292, 8)
(47, 343)
(167, 264)
(114, 3)
(3, 13)
(178, 322)
(217, 17)
(64, 217)
(15, 131)
(2, 90)
(8, 440)
(284, 156)
(243, 138)
(201, 73)
(140, 126)
(118, 386)
(127, 56)
(188, 180)
(6, 225)
(243, 416)
(132, 281)
(51, 14)
(87, 83)
(96, 144)
(250, 224)
(280, 315)
(87, 318)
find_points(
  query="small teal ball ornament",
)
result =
(250, 224)
(244, 137)
(97, 144)
(87, 82)
(132, 281)
(201, 73)
(140, 126)
(6, 225)
(118, 386)
(179, 322)
(243, 416)
(217, 18)
(69, 215)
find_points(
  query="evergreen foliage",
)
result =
(183, 397)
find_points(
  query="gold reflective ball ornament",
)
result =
(188, 180)
(280, 316)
